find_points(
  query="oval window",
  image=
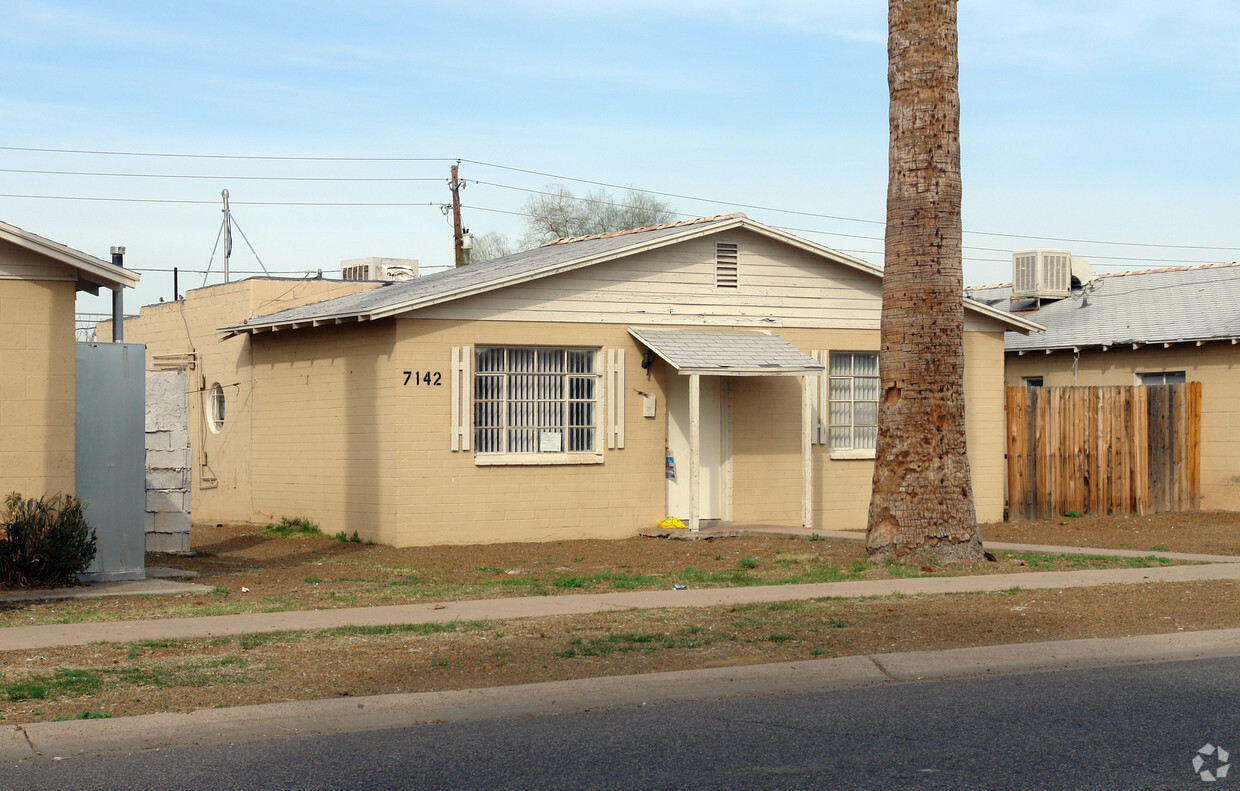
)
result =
(215, 402)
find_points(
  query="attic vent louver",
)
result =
(727, 266)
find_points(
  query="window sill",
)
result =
(536, 459)
(852, 454)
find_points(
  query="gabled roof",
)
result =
(93, 273)
(1172, 305)
(561, 255)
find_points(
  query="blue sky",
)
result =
(1115, 123)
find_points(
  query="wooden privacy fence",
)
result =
(1103, 450)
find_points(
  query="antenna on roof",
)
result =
(226, 229)
(227, 233)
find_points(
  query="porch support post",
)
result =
(695, 450)
(807, 468)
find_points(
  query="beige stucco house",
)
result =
(39, 281)
(1156, 326)
(709, 369)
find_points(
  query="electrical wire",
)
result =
(216, 202)
(221, 178)
(820, 215)
(269, 158)
(561, 177)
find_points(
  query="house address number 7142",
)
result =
(428, 378)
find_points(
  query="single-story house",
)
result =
(1153, 326)
(711, 369)
(39, 281)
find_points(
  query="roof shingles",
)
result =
(1150, 306)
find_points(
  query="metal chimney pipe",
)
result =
(118, 298)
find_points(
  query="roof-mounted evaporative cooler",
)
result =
(1041, 274)
(375, 268)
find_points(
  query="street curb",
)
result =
(54, 740)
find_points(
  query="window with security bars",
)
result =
(535, 400)
(853, 401)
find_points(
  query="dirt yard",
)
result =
(252, 570)
(122, 679)
(1206, 532)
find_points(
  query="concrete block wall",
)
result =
(168, 463)
(36, 386)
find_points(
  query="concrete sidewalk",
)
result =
(82, 737)
(56, 740)
(31, 637)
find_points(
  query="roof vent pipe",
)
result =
(118, 298)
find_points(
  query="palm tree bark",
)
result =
(922, 500)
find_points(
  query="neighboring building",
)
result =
(39, 281)
(549, 394)
(1155, 326)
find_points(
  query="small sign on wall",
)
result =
(550, 442)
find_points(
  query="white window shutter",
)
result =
(818, 394)
(462, 401)
(615, 399)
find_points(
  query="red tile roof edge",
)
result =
(1129, 272)
(696, 221)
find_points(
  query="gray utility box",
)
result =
(110, 454)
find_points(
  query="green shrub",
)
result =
(46, 541)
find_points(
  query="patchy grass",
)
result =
(316, 572)
(182, 675)
(295, 527)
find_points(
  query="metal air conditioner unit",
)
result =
(374, 268)
(1041, 274)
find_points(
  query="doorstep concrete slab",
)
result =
(30, 637)
(52, 740)
(95, 590)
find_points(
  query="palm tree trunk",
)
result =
(922, 499)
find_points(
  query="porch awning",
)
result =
(726, 352)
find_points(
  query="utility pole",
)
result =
(458, 242)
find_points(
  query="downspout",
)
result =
(118, 298)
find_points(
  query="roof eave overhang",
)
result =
(278, 326)
(1097, 346)
(1016, 323)
(751, 371)
(93, 273)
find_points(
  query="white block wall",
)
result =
(168, 460)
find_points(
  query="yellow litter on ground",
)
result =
(672, 523)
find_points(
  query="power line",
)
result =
(816, 231)
(205, 176)
(226, 156)
(215, 203)
(562, 177)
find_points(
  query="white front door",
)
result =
(711, 440)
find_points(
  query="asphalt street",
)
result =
(1126, 726)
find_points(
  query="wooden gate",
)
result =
(1103, 450)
